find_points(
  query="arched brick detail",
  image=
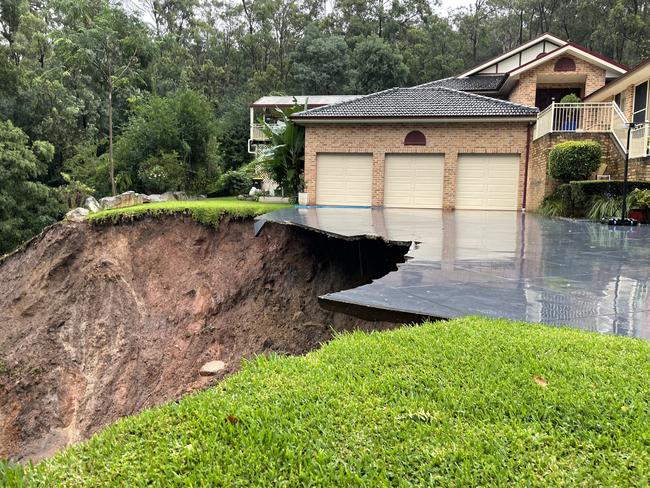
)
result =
(415, 138)
(565, 64)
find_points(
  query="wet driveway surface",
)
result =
(499, 264)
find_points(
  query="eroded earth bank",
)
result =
(100, 322)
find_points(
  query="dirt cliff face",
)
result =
(99, 323)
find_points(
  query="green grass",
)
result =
(463, 403)
(208, 212)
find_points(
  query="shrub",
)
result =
(234, 182)
(161, 173)
(639, 199)
(576, 199)
(570, 98)
(574, 160)
(604, 206)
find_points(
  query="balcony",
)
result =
(256, 133)
(584, 118)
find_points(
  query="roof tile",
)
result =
(422, 102)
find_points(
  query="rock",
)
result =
(212, 368)
(79, 214)
(154, 198)
(92, 204)
(174, 196)
(126, 199)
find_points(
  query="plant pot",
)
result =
(639, 214)
(303, 198)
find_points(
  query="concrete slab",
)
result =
(499, 264)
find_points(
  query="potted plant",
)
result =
(639, 203)
(570, 124)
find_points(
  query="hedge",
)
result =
(574, 198)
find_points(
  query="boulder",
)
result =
(174, 196)
(126, 199)
(79, 214)
(212, 368)
(92, 204)
(154, 198)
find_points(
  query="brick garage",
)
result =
(449, 139)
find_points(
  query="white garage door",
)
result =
(487, 181)
(344, 179)
(413, 180)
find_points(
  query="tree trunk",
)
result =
(110, 136)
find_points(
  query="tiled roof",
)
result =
(419, 102)
(470, 83)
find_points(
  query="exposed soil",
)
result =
(99, 323)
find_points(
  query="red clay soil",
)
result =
(100, 322)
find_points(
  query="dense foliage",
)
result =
(87, 75)
(574, 160)
(26, 206)
(468, 402)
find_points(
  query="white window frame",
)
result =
(647, 97)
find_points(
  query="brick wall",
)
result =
(526, 89)
(449, 139)
(540, 184)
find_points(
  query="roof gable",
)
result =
(608, 64)
(434, 102)
(518, 56)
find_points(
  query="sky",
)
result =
(447, 5)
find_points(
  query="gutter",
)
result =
(410, 120)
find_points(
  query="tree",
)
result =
(109, 46)
(286, 154)
(26, 206)
(321, 64)
(170, 132)
(378, 65)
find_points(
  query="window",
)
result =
(617, 100)
(415, 138)
(640, 102)
(565, 64)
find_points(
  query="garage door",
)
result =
(487, 181)
(413, 180)
(344, 179)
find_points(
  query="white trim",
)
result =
(647, 100)
(562, 50)
(430, 120)
(487, 64)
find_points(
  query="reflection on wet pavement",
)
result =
(499, 264)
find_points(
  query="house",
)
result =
(479, 140)
(266, 108)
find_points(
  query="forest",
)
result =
(99, 96)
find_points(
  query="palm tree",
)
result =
(284, 158)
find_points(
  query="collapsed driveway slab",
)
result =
(498, 264)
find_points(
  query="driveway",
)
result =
(498, 264)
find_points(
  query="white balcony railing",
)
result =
(582, 117)
(256, 133)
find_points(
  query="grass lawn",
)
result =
(468, 402)
(208, 211)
